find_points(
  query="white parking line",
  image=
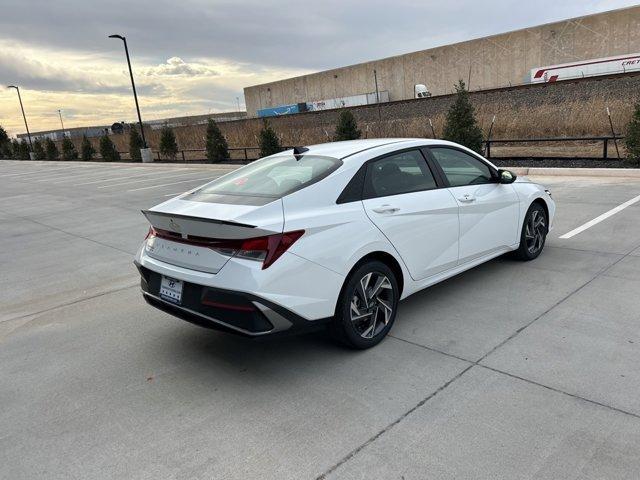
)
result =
(150, 179)
(33, 173)
(80, 176)
(60, 172)
(173, 183)
(125, 177)
(602, 217)
(98, 171)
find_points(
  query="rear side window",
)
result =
(399, 173)
(273, 177)
(461, 168)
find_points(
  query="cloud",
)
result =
(37, 71)
(197, 55)
(177, 66)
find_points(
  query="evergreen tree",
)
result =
(108, 150)
(15, 149)
(347, 128)
(69, 151)
(5, 144)
(38, 150)
(86, 150)
(51, 149)
(461, 125)
(168, 145)
(632, 138)
(23, 150)
(135, 144)
(5, 150)
(217, 147)
(268, 141)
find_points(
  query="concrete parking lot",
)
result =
(511, 370)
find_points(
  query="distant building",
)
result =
(98, 131)
(56, 135)
(196, 119)
(491, 62)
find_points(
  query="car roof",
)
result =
(347, 148)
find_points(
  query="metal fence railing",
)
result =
(236, 154)
(535, 152)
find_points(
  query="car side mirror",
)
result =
(506, 176)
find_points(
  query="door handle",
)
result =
(467, 198)
(385, 209)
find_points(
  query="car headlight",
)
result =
(547, 191)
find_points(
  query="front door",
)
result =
(488, 209)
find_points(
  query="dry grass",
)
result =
(569, 110)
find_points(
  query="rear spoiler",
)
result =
(202, 227)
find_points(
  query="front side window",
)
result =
(461, 168)
(400, 173)
(272, 177)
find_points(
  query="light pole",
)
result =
(61, 123)
(133, 85)
(23, 115)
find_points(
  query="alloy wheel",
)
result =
(372, 304)
(535, 231)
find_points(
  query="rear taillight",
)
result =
(265, 249)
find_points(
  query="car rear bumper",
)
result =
(226, 310)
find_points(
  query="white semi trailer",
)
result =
(586, 68)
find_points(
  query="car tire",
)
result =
(534, 233)
(367, 306)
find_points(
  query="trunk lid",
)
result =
(191, 223)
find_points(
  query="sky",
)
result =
(193, 57)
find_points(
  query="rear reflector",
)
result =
(227, 306)
(266, 249)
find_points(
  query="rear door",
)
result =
(402, 198)
(488, 209)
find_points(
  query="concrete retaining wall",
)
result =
(495, 61)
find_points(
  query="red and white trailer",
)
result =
(587, 68)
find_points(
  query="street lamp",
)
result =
(61, 123)
(23, 115)
(133, 84)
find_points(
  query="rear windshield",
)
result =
(272, 177)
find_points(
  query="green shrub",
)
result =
(461, 124)
(268, 141)
(86, 150)
(108, 150)
(69, 151)
(217, 147)
(135, 144)
(38, 150)
(347, 128)
(6, 151)
(23, 150)
(632, 138)
(5, 144)
(51, 149)
(168, 144)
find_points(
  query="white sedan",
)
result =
(335, 235)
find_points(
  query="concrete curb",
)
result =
(577, 172)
